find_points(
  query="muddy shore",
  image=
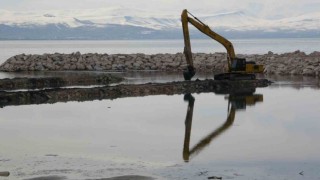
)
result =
(55, 82)
(294, 63)
(49, 96)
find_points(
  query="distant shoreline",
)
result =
(165, 39)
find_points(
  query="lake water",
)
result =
(269, 133)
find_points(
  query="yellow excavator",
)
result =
(238, 68)
(238, 101)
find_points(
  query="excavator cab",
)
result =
(238, 65)
(241, 65)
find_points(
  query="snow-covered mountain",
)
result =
(143, 22)
(93, 17)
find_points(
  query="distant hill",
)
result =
(119, 23)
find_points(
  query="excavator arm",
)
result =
(238, 68)
(185, 19)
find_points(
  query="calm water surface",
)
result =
(271, 133)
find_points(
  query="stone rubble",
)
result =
(294, 63)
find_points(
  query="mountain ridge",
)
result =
(147, 23)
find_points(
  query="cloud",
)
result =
(271, 9)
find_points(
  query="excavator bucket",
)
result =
(189, 73)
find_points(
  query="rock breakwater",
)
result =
(294, 63)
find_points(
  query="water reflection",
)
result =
(236, 101)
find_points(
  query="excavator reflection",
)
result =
(236, 101)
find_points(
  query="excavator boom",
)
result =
(237, 67)
(205, 30)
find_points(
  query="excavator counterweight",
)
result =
(238, 68)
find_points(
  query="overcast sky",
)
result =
(267, 8)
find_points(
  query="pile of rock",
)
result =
(296, 63)
(288, 63)
(90, 61)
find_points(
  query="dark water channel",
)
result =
(264, 133)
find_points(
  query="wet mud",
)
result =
(129, 177)
(5, 174)
(55, 82)
(49, 96)
(48, 178)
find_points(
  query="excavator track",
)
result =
(234, 76)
